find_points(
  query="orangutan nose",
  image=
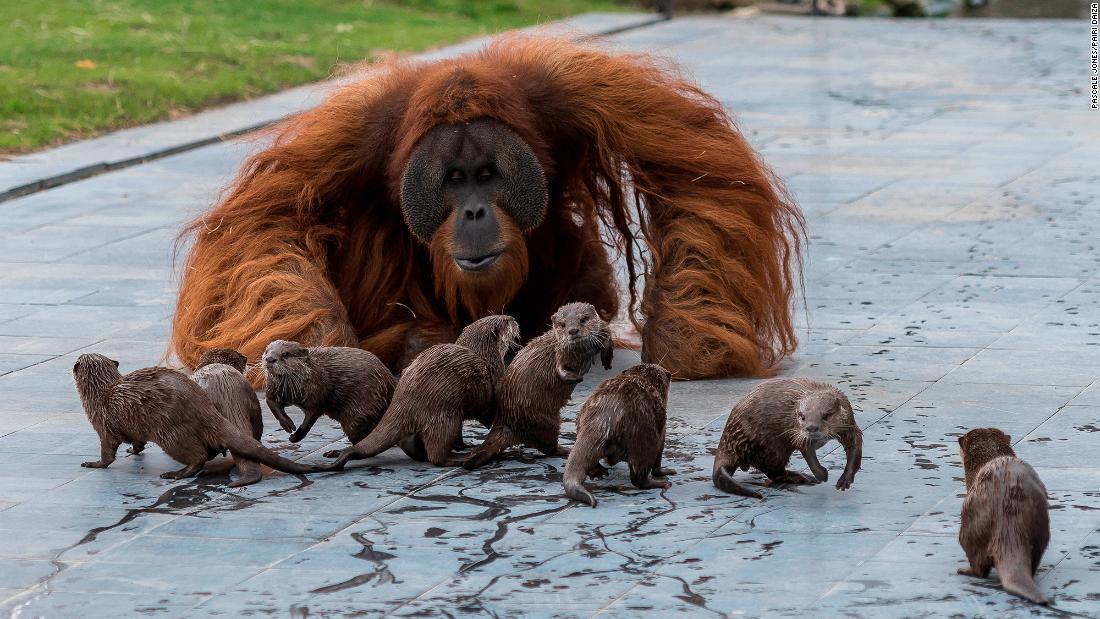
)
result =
(477, 236)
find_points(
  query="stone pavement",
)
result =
(948, 172)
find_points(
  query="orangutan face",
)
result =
(473, 188)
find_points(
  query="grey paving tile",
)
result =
(1028, 367)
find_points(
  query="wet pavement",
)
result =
(948, 173)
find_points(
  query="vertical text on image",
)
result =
(1094, 76)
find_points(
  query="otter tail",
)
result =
(246, 447)
(1016, 578)
(722, 476)
(386, 434)
(585, 452)
(1020, 541)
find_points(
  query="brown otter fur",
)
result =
(623, 419)
(540, 380)
(777, 418)
(349, 385)
(165, 407)
(1005, 523)
(225, 356)
(220, 373)
(444, 385)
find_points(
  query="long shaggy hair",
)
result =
(309, 242)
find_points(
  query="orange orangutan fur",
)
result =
(309, 242)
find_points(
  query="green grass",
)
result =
(70, 69)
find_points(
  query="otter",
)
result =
(220, 373)
(163, 406)
(1005, 523)
(349, 385)
(778, 417)
(540, 380)
(444, 385)
(623, 419)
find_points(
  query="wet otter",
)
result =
(444, 385)
(1005, 523)
(349, 385)
(778, 417)
(540, 380)
(220, 373)
(623, 419)
(165, 407)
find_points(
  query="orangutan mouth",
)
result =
(478, 263)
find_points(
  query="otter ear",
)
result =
(115, 362)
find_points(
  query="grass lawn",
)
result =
(70, 69)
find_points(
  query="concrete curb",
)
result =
(24, 175)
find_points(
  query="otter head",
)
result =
(654, 375)
(981, 445)
(576, 321)
(492, 335)
(93, 372)
(578, 332)
(226, 356)
(283, 359)
(822, 414)
(471, 192)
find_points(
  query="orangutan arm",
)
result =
(243, 291)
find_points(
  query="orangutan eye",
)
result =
(484, 174)
(456, 176)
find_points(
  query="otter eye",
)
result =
(584, 319)
(456, 176)
(827, 415)
(484, 174)
(561, 325)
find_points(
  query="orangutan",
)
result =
(429, 194)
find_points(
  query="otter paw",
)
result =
(795, 478)
(965, 571)
(597, 471)
(844, 482)
(332, 453)
(95, 464)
